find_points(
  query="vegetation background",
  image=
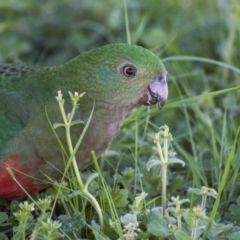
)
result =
(199, 43)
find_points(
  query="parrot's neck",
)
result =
(104, 126)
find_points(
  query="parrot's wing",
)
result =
(14, 110)
(10, 126)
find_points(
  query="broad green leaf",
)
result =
(158, 226)
(181, 235)
(3, 217)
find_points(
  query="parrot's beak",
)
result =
(158, 90)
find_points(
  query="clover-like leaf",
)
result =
(175, 160)
(152, 163)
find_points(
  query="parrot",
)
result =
(116, 78)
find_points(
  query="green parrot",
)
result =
(116, 77)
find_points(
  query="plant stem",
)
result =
(67, 124)
(126, 22)
(203, 204)
(179, 221)
(164, 188)
(136, 159)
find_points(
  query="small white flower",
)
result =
(131, 231)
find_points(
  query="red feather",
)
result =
(9, 187)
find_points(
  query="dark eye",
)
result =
(129, 71)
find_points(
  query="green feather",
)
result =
(25, 93)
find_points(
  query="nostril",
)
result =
(161, 77)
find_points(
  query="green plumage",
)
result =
(116, 77)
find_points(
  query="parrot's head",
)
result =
(125, 75)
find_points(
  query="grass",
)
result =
(198, 42)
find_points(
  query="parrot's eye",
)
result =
(129, 71)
